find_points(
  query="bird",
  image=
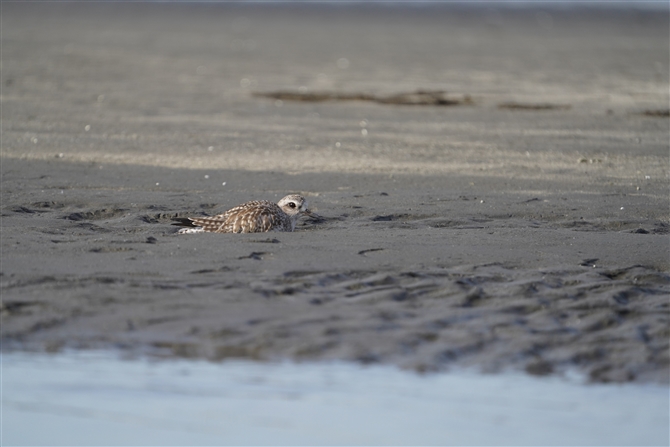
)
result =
(257, 216)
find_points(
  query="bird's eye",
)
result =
(291, 204)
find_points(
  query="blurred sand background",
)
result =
(493, 182)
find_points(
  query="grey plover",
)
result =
(257, 216)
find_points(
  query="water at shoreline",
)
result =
(97, 398)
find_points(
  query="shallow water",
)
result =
(94, 398)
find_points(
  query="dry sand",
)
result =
(494, 183)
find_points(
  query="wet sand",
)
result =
(493, 182)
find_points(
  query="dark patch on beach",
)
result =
(105, 213)
(369, 250)
(385, 218)
(48, 205)
(109, 249)
(659, 113)
(401, 216)
(23, 209)
(417, 98)
(661, 228)
(590, 160)
(17, 307)
(266, 241)
(213, 270)
(531, 106)
(256, 255)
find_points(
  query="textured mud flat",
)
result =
(96, 264)
(525, 227)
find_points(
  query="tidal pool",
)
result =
(100, 398)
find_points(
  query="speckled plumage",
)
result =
(257, 216)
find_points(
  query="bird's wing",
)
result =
(250, 217)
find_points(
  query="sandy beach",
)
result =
(493, 183)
